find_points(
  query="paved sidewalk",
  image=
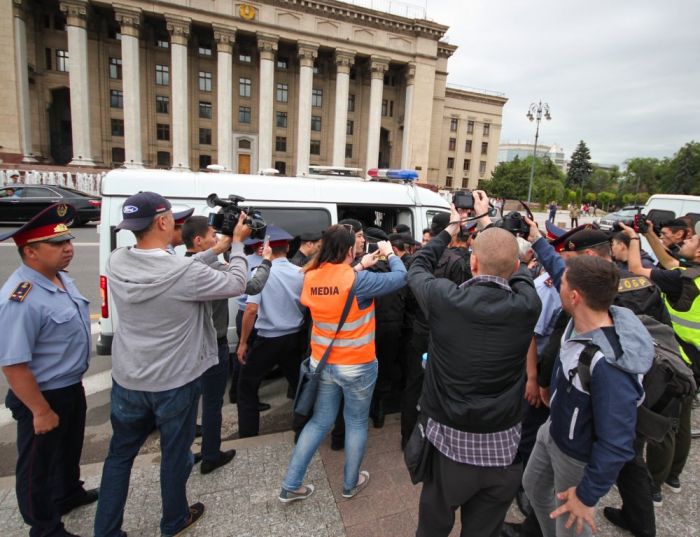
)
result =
(241, 498)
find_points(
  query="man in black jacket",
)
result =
(475, 377)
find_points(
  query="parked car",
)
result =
(19, 203)
(625, 214)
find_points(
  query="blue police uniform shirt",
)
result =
(280, 310)
(254, 261)
(49, 329)
(551, 307)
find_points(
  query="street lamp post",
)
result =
(535, 113)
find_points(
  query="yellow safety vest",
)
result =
(686, 324)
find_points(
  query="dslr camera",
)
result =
(225, 220)
(463, 200)
(638, 223)
(515, 223)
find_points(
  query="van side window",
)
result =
(296, 221)
(429, 215)
(382, 217)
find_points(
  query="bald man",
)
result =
(471, 405)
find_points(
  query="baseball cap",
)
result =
(138, 210)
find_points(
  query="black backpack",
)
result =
(667, 383)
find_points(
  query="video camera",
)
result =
(638, 223)
(514, 222)
(224, 221)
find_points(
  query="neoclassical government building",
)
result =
(247, 85)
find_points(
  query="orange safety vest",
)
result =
(325, 292)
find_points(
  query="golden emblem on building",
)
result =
(61, 210)
(247, 11)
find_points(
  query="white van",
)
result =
(294, 204)
(661, 208)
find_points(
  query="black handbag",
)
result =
(308, 380)
(418, 451)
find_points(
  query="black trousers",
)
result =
(482, 494)
(634, 485)
(235, 364)
(48, 465)
(388, 346)
(265, 353)
(417, 346)
(533, 419)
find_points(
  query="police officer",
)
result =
(44, 360)
(310, 244)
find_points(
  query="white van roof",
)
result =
(674, 197)
(188, 185)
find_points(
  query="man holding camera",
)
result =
(163, 344)
(474, 380)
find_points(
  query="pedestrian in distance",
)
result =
(44, 355)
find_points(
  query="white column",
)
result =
(179, 29)
(130, 20)
(343, 61)
(267, 45)
(408, 116)
(307, 54)
(22, 74)
(374, 123)
(76, 27)
(225, 38)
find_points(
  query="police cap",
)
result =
(181, 217)
(310, 236)
(376, 234)
(586, 238)
(50, 225)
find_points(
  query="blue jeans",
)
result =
(354, 383)
(213, 388)
(134, 415)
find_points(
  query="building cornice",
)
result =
(475, 96)
(445, 50)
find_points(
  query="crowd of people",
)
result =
(529, 363)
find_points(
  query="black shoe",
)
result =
(674, 485)
(337, 443)
(196, 512)
(262, 407)
(198, 431)
(224, 458)
(90, 496)
(616, 518)
(510, 530)
(198, 457)
(656, 496)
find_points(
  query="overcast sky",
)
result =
(622, 75)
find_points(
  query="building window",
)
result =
(115, 68)
(163, 159)
(113, 33)
(316, 123)
(117, 127)
(282, 63)
(454, 122)
(116, 98)
(385, 107)
(318, 68)
(484, 148)
(61, 60)
(470, 127)
(351, 102)
(162, 75)
(315, 147)
(482, 166)
(244, 87)
(244, 114)
(244, 144)
(281, 144)
(467, 164)
(282, 120)
(204, 81)
(487, 129)
(468, 146)
(350, 127)
(162, 42)
(465, 182)
(162, 104)
(48, 55)
(317, 98)
(389, 80)
(453, 144)
(204, 50)
(282, 93)
(162, 131)
(204, 110)
(348, 150)
(118, 155)
(245, 57)
(204, 136)
(281, 167)
(450, 163)
(204, 161)
(448, 182)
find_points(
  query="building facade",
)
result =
(246, 85)
(508, 151)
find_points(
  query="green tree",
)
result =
(641, 175)
(599, 181)
(681, 175)
(580, 167)
(606, 198)
(509, 179)
(590, 197)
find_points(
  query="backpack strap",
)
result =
(584, 365)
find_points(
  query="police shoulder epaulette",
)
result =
(632, 283)
(21, 292)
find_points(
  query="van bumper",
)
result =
(104, 345)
